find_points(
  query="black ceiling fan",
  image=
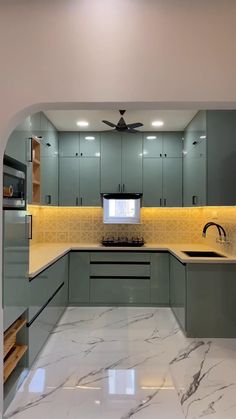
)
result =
(121, 126)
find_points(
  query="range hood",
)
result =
(122, 195)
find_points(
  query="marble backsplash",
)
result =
(158, 225)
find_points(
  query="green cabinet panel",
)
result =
(119, 291)
(16, 145)
(119, 270)
(42, 326)
(172, 182)
(194, 177)
(152, 182)
(195, 132)
(152, 144)
(90, 144)
(211, 290)
(68, 181)
(172, 144)
(79, 277)
(110, 162)
(68, 144)
(113, 256)
(159, 292)
(132, 163)
(89, 180)
(49, 181)
(178, 290)
(45, 284)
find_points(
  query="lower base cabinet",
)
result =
(116, 277)
(48, 305)
(202, 297)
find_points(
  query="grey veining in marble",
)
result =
(121, 363)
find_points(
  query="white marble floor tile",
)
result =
(120, 363)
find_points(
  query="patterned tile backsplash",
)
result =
(158, 225)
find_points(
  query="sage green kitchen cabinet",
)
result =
(79, 263)
(90, 144)
(121, 162)
(195, 132)
(160, 272)
(68, 181)
(172, 144)
(178, 290)
(132, 163)
(124, 291)
(172, 182)
(152, 182)
(110, 162)
(194, 176)
(68, 144)
(89, 179)
(49, 181)
(152, 144)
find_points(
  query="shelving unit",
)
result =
(13, 350)
(35, 171)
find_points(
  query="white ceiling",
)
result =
(173, 120)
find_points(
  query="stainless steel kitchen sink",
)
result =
(203, 253)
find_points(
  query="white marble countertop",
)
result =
(43, 255)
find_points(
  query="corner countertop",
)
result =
(42, 255)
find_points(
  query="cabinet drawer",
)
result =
(41, 327)
(44, 285)
(120, 270)
(114, 256)
(119, 291)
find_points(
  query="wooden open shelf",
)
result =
(10, 335)
(12, 359)
(35, 170)
(13, 352)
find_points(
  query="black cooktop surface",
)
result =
(123, 241)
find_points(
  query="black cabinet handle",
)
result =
(31, 150)
(194, 200)
(195, 142)
(160, 202)
(30, 226)
(160, 155)
(165, 155)
(165, 202)
(77, 201)
(81, 201)
(48, 199)
(119, 187)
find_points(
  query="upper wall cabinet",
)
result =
(172, 144)
(121, 162)
(162, 144)
(69, 144)
(209, 159)
(110, 162)
(152, 144)
(90, 144)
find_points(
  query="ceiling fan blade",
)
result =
(135, 125)
(110, 124)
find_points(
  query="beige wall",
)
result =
(168, 53)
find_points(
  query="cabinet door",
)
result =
(152, 144)
(178, 290)
(79, 277)
(90, 144)
(49, 180)
(195, 131)
(132, 163)
(110, 162)
(172, 182)
(172, 144)
(68, 144)
(160, 278)
(194, 178)
(69, 181)
(90, 181)
(152, 182)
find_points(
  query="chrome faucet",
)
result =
(222, 233)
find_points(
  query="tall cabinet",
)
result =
(162, 169)
(79, 169)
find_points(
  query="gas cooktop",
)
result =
(123, 241)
